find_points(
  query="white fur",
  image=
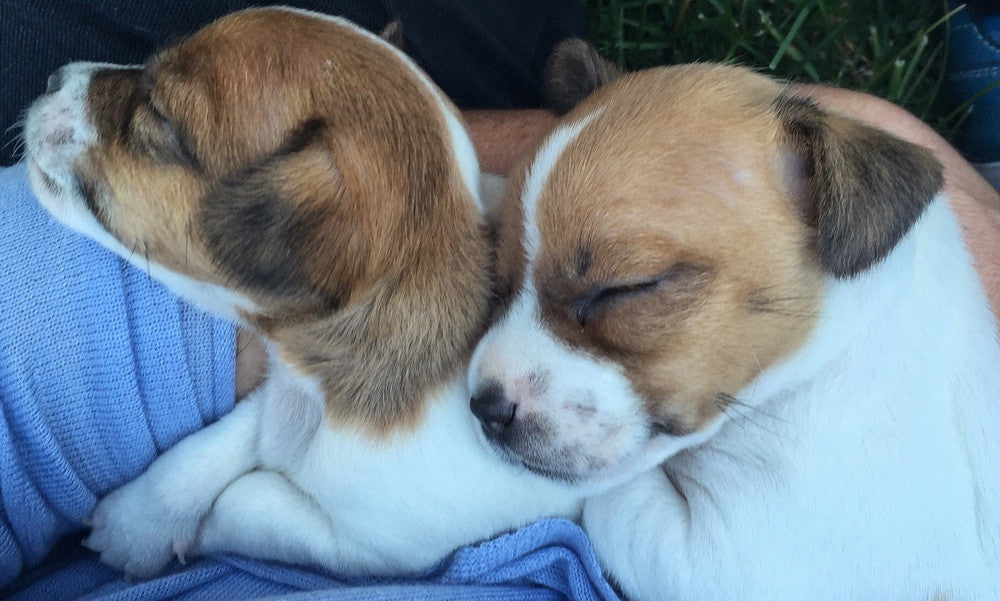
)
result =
(541, 166)
(867, 465)
(302, 490)
(871, 471)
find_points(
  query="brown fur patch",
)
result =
(307, 167)
(508, 242)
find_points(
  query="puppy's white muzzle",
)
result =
(58, 131)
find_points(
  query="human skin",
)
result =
(503, 138)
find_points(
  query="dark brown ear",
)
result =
(286, 228)
(393, 33)
(573, 72)
(861, 188)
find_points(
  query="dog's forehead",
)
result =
(240, 85)
(661, 157)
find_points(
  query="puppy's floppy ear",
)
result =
(574, 71)
(861, 188)
(287, 227)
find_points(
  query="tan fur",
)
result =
(718, 230)
(683, 347)
(292, 160)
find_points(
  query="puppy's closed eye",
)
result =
(600, 298)
(681, 281)
(153, 131)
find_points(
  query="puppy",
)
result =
(704, 271)
(303, 178)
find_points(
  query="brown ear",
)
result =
(574, 71)
(861, 188)
(286, 227)
(393, 33)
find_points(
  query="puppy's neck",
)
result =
(379, 361)
(917, 294)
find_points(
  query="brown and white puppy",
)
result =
(762, 318)
(302, 177)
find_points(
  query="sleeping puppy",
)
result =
(301, 177)
(704, 271)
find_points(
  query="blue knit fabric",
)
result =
(101, 369)
(548, 560)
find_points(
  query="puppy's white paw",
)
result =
(138, 530)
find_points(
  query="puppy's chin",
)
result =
(589, 474)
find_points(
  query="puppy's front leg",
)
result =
(641, 532)
(264, 516)
(140, 526)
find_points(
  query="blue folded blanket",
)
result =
(101, 369)
(551, 559)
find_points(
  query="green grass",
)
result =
(895, 49)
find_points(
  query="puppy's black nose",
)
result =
(55, 81)
(493, 409)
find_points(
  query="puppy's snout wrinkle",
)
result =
(494, 409)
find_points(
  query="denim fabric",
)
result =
(973, 66)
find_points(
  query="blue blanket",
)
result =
(101, 369)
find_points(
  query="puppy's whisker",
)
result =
(187, 239)
(18, 141)
(786, 312)
(735, 408)
(245, 345)
(17, 124)
(19, 149)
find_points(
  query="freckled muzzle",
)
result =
(59, 131)
(531, 440)
(536, 410)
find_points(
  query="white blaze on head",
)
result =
(574, 416)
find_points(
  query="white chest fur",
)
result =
(275, 481)
(403, 504)
(866, 467)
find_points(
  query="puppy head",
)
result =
(277, 167)
(265, 155)
(666, 245)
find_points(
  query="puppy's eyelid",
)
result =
(171, 135)
(600, 297)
